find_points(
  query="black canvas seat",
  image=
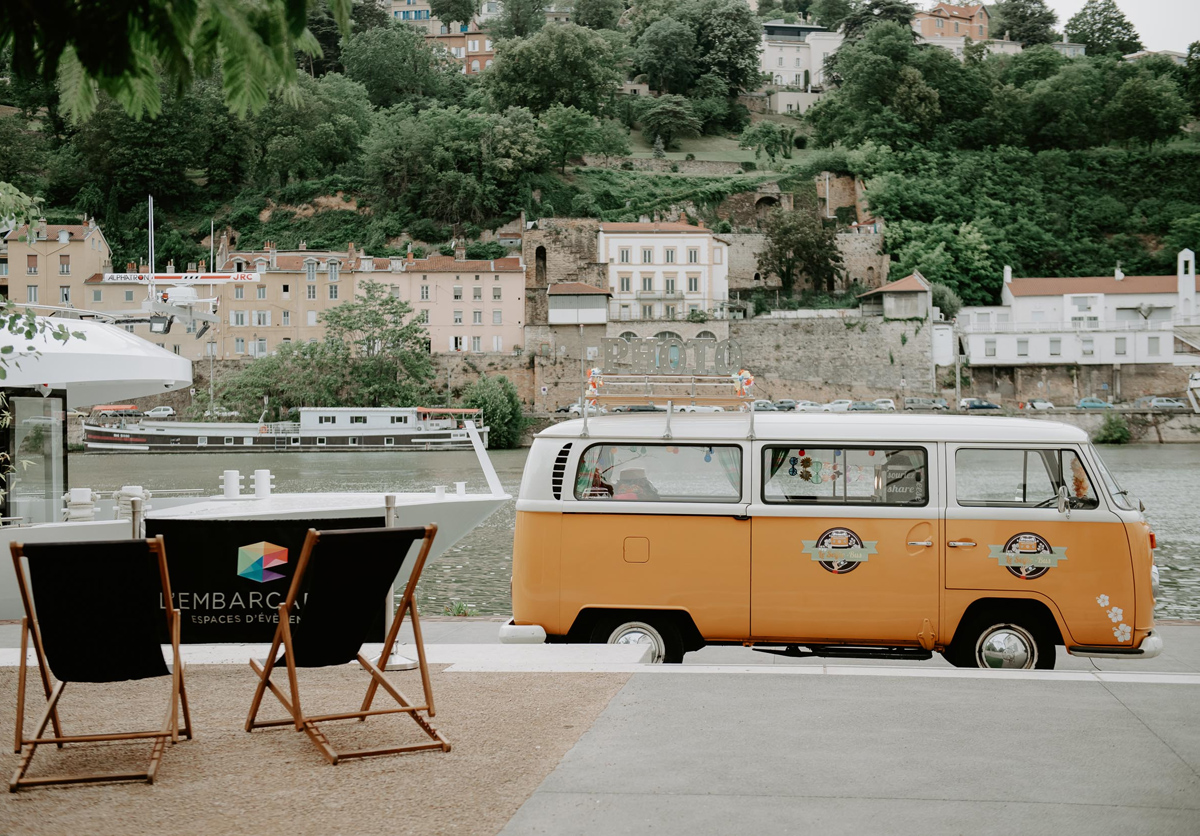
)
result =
(96, 612)
(341, 581)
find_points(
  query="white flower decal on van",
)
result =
(1115, 614)
(1122, 632)
(1102, 600)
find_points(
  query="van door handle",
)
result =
(962, 544)
(920, 542)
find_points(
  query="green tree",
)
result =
(521, 18)
(296, 375)
(728, 38)
(1103, 29)
(394, 64)
(666, 53)
(946, 300)
(955, 255)
(798, 244)
(1146, 110)
(668, 118)
(564, 64)
(389, 363)
(1191, 78)
(768, 137)
(364, 15)
(502, 412)
(865, 15)
(611, 139)
(1065, 109)
(1184, 234)
(831, 13)
(597, 14)
(131, 50)
(454, 11)
(1029, 21)
(568, 133)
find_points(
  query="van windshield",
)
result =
(1119, 496)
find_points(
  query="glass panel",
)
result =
(1021, 478)
(37, 484)
(660, 473)
(845, 476)
(1120, 497)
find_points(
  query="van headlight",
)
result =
(1154, 585)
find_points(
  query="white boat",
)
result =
(339, 429)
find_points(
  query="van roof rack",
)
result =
(673, 389)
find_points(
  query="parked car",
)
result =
(941, 403)
(978, 404)
(698, 408)
(638, 407)
(785, 405)
(1167, 404)
(160, 412)
(840, 405)
(764, 406)
(221, 412)
(1038, 404)
(886, 404)
(864, 406)
(1093, 403)
(564, 408)
(808, 406)
(923, 405)
(577, 411)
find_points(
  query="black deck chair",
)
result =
(95, 611)
(341, 579)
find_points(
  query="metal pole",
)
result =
(135, 515)
(957, 372)
(583, 404)
(389, 605)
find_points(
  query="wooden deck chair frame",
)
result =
(27, 746)
(309, 724)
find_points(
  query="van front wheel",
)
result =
(1004, 644)
(660, 634)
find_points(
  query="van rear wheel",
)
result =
(660, 634)
(993, 642)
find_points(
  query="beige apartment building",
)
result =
(945, 20)
(51, 269)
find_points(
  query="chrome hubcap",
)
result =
(638, 633)
(1006, 646)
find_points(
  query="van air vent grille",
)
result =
(560, 468)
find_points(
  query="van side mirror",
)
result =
(1064, 505)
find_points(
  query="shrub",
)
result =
(946, 300)
(689, 156)
(426, 230)
(627, 165)
(486, 252)
(749, 165)
(675, 167)
(1114, 430)
(723, 227)
(501, 406)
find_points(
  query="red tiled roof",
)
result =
(1095, 284)
(294, 262)
(909, 284)
(674, 228)
(965, 12)
(78, 231)
(575, 289)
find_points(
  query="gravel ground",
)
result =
(508, 731)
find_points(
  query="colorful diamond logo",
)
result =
(255, 560)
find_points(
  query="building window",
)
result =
(1055, 347)
(287, 318)
(476, 317)
(96, 296)
(312, 318)
(286, 294)
(497, 317)
(312, 291)
(31, 293)
(1022, 348)
(424, 293)
(647, 283)
(64, 265)
(647, 255)
(477, 294)
(458, 293)
(1120, 347)
(3, 268)
(334, 272)
(1152, 346)
(239, 292)
(625, 312)
(497, 343)
(718, 254)
(495, 293)
(477, 343)
(31, 265)
(1089, 348)
(940, 24)
(693, 284)
(780, 60)
(262, 318)
(693, 255)
(310, 271)
(262, 292)
(669, 284)
(239, 318)
(670, 312)
(456, 343)
(989, 348)
(625, 283)
(647, 312)
(624, 257)
(64, 294)
(239, 345)
(458, 318)
(333, 292)
(670, 255)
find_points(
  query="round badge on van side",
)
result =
(840, 550)
(1028, 556)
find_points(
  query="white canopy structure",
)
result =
(108, 365)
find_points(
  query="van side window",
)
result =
(660, 473)
(1017, 478)
(845, 475)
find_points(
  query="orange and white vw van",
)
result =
(989, 540)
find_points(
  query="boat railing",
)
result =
(280, 428)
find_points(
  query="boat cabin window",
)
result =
(326, 419)
(399, 419)
(1016, 478)
(354, 441)
(358, 419)
(845, 476)
(202, 441)
(320, 441)
(229, 439)
(389, 442)
(660, 473)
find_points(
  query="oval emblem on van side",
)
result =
(1028, 556)
(840, 550)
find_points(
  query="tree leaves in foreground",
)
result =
(502, 413)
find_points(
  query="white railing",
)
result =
(1063, 327)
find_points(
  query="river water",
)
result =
(476, 571)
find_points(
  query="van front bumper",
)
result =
(511, 633)
(1150, 647)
